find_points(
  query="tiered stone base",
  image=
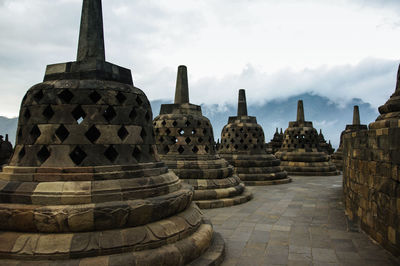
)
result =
(307, 163)
(337, 160)
(102, 216)
(258, 170)
(213, 179)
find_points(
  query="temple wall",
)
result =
(371, 183)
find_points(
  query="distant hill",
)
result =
(8, 126)
(324, 114)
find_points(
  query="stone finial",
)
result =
(300, 111)
(91, 36)
(182, 86)
(398, 80)
(242, 104)
(356, 115)
(281, 131)
(320, 131)
(7, 137)
(277, 132)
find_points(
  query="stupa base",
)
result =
(225, 202)
(268, 182)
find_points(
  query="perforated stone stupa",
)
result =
(6, 151)
(300, 153)
(325, 146)
(337, 157)
(85, 185)
(275, 144)
(185, 142)
(243, 145)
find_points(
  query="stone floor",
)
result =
(301, 223)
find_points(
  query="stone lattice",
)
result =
(85, 185)
(243, 145)
(337, 157)
(371, 175)
(185, 142)
(6, 151)
(300, 153)
(276, 142)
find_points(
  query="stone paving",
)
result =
(301, 223)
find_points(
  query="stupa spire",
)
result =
(300, 111)
(242, 104)
(91, 36)
(356, 115)
(182, 86)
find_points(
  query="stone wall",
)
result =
(371, 183)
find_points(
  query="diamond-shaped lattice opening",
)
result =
(137, 154)
(227, 146)
(35, 133)
(241, 140)
(111, 154)
(168, 131)
(245, 135)
(77, 155)
(21, 153)
(62, 133)
(43, 154)
(95, 96)
(38, 96)
(181, 131)
(109, 113)
(207, 149)
(78, 114)
(236, 147)
(48, 112)
(201, 140)
(187, 123)
(66, 96)
(161, 139)
(256, 128)
(93, 134)
(204, 131)
(147, 116)
(198, 123)
(166, 149)
(143, 134)
(207, 124)
(121, 97)
(232, 140)
(27, 114)
(195, 149)
(133, 114)
(251, 140)
(123, 133)
(246, 147)
(175, 123)
(174, 139)
(157, 130)
(138, 100)
(188, 140)
(193, 131)
(20, 133)
(163, 123)
(181, 149)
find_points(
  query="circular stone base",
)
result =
(333, 173)
(268, 183)
(215, 254)
(225, 202)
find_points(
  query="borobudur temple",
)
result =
(300, 153)
(85, 185)
(243, 146)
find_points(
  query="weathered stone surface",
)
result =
(85, 185)
(6, 151)
(371, 174)
(301, 153)
(276, 143)
(185, 142)
(243, 145)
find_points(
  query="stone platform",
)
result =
(301, 223)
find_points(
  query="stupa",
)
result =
(325, 146)
(300, 153)
(243, 146)
(6, 151)
(185, 142)
(85, 185)
(337, 157)
(276, 142)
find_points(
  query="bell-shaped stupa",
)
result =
(185, 142)
(300, 153)
(276, 142)
(325, 146)
(6, 151)
(337, 157)
(85, 185)
(243, 145)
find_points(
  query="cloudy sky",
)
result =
(340, 49)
